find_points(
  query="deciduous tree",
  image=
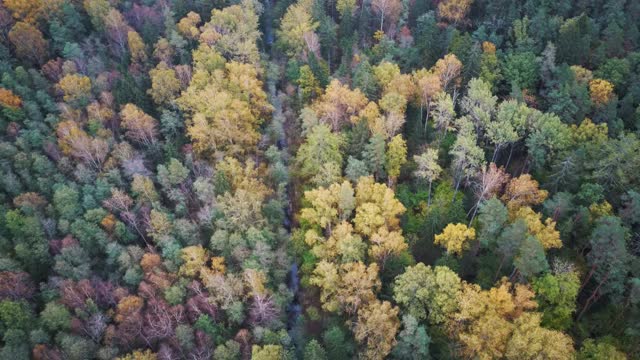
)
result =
(601, 91)
(396, 157)
(136, 47)
(455, 238)
(139, 126)
(489, 183)
(427, 168)
(346, 287)
(339, 105)
(188, 25)
(454, 10)
(76, 89)
(294, 25)
(320, 148)
(556, 295)
(376, 329)
(233, 32)
(428, 293)
(29, 42)
(523, 191)
(386, 9)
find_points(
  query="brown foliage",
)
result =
(29, 42)
(16, 286)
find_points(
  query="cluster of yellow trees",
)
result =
(353, 234)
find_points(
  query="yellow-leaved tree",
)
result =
(227, 104)
(296, 24)
(455, 238)
(342, 227)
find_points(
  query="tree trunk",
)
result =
(592, 297)
(456, 191)
(429, 198)
(475, 211)
(495, 278)
(513, 274)
(421, 109)
(586, 280)
(495, 152)
(510, 153)
(426, 119)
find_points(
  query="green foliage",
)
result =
(319, 159)
(413, 341)
(15, 315)
(173, 235)
(336, 343)
(55, 317)
(609, 255)
(599, 349)
(521, 69)
(314, 351)
(556, 296)
(428, 293)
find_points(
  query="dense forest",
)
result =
(319, 179)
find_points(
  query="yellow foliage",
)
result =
(217, 265)
(139, 355)
(228, 104)
(324, 208)
(75, 87)
(29, 11)
(160, 224)
(523, 191)
(448, 69)
(375, 121)
(296, 23)
(380, 196)
(454, 10)
(188, 25)
(582, 75)
(254, 280)
(545, 232)
(139, 126)
(267, 352)
(345, 287)
(378, 35)
(529, 340)
(385, 72)
(590, 132)
(245, 177)
(601, 91)
(108, 222)
(143, 187)
(386, 243)
(488, 47)
(455, 238)
(376, 329)
(345, 7)
(396, 156)
(136, 47)
(428, 85)
(194, 257)
(339, 105)
(600, 210)
(484, 322)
